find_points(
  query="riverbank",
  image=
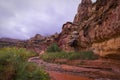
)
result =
(81, 69)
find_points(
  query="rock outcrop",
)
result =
(109, 48)
(38, 43)
(83, 11)
(98, 25)
(63, 37)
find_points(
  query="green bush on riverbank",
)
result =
(14, 65)
(84, 55)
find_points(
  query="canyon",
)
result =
(96, 27)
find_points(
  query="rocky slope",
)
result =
(5, 42)
(98, 28)
(38, 43)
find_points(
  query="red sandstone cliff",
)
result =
(98, 25)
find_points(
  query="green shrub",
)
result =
(30, 71)
(53, 48)
(50, 57)
(14, 65)
(84, 55)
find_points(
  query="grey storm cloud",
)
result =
(23, 19)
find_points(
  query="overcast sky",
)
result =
(23, 19)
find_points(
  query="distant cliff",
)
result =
(37, 43)
(5, 42)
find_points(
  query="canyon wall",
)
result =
(98, 27)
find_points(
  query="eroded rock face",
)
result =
(83, 11)
(108, 47)
(105, 34)
(63, 37)
(98, 26)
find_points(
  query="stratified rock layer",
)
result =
(108, 47)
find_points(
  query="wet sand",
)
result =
(63, 76)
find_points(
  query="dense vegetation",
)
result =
(14, 65)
